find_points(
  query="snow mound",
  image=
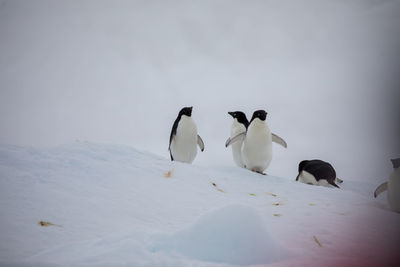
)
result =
(235, 234)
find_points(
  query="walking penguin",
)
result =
(239, 125)
(184, 139)
(257, 143)
(392, 186)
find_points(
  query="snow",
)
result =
(234, 234)
(113, 205)
(107, 79)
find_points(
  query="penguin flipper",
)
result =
(297, 178)
(278, 140)
(200, 143)
(227, 142)
(382, 188)
(239, 137)
(173, 132)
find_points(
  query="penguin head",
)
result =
(186, 111)
(240, 116)
(396, 163)
(259, 114)
(302, 164)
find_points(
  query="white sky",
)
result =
(119, 72)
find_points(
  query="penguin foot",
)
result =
(257, 171)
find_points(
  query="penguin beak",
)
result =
(230, 113)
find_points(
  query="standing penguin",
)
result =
(239, 125)
(392, 186)
(317, 172)
(184, 139)
(257, 143)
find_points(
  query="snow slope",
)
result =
(326, 71)
(113, 205)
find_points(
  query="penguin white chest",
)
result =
(236, 129)
(184, 143)
(393, 194)
(307, 178)
(257, 146)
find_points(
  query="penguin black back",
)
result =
(261, 114)
(319, 169)
(241, 117)
(184, 111)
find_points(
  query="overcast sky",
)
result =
(119, 72)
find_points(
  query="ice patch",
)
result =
(235, 234)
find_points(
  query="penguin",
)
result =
(392, 186)
(239, 125)
(317, 172)
(184, 139)
(257, 143)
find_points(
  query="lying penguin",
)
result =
(184, 139)
(317, 172)
(392, 186)
(257, 143)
